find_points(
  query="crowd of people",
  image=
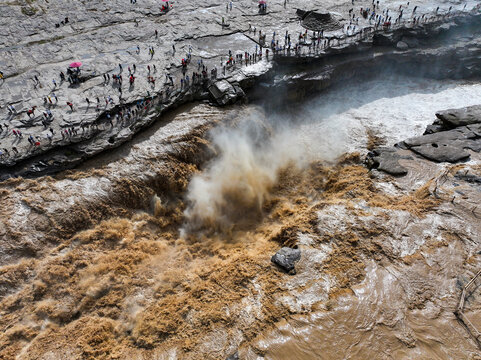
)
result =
(119, 113)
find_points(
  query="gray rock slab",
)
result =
(434, 128)
(460, 117)
(286, 258)
(389, 163)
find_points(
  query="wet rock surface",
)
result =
(441, 152)
(387, 160)
(448, 139)
(454, 118)
(286, 259)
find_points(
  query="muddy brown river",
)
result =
(161, 248)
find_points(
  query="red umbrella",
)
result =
(75, 64)
(262, 2)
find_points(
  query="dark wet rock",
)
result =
(443, 137)
(286, 258)
(234, 356)
(465, 176)
(387, 160)
(474, 145)
(225, 93)
(441, 152)
(475, 129)
(447, 139)
(454, 118)
(401, 45)
(431, 129)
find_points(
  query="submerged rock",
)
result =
(447, 140)
(286, 258)
(442, 145)
(225, 93)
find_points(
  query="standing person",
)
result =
(70, 105)
(173, 49)
(54, 84)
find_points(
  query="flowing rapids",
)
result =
(161, 249)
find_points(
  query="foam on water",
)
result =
(394, 109)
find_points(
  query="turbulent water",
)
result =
(161, 249)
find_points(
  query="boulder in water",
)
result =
(286, 258)
(441, 152)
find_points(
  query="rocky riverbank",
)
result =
(60, 140)
(452, 138)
